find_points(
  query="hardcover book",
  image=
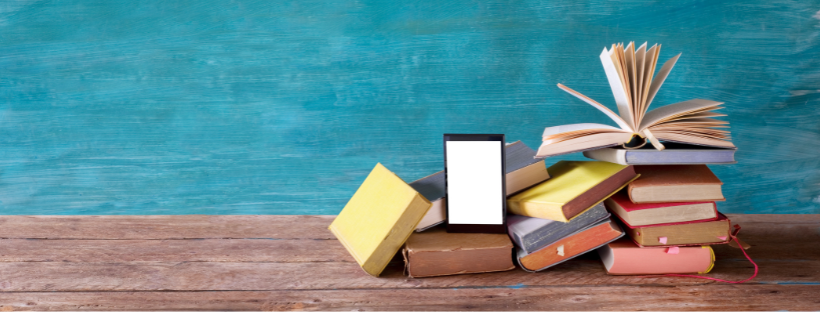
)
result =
(574, 187)
(675, 183)
(569, 247)
(378, 219)
(436, 252)
(531, 234)
(631, 76)
(522, 171)
(682, 233)
(623, 257)
(674, 154)
(648, 214)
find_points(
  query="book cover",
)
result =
(531, 234)
(574, 187)
(624, 257)
(578, 243)
(675, 183)
(673, 154)
(436, 252)
(659, 213)
(378, 219)
(682, 234)
(634, 84)
(522, 171)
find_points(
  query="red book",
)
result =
(682, 233)
(623, 257)
(659, 213)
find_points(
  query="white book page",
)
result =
(609, 113)
(671, 110)
(576, 127)
(658, 81)
(640, 59)
(651, 60)
(618, 89)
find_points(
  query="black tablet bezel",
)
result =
(478, 228)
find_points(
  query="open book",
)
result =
(631, 75)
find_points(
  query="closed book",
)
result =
(682, 233)
(573, 187)
(522, 171)
(675, 183)
(569, 247)
(659, 213)
(623, 257)
(378, 219)
(673, 154)
(531, 234)
(436, 252)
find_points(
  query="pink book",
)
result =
(659, 213)
(624, 257)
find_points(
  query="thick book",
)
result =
(682, 234)
(523, 171)
(378, 219)
(436, 252)
(623, 257)
(573, 187)
(571, 246)
(675, 183)
(531, 234)
(673, 154)
(634, 84)
(659, 213)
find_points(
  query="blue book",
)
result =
(674, 154)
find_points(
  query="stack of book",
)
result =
(671, 210)
(647, 206)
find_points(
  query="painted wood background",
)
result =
(283, 107)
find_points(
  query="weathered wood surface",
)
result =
(292, 262)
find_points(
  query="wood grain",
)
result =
(165, 227)
(549, 298)
(100, 263)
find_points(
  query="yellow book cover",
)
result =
(574, 187)
(378, 219)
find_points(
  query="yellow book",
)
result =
(378, 219)
(574, 187)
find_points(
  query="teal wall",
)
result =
(277, 107)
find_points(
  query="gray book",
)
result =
(674, 154)
(531, 234)
(523, 171)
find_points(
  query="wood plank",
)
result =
(181, 250)
(256, 226)
(695, 297)
(165, 227)
(202, 276)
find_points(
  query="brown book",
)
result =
(569, 247)
(675, 183)
(435, 252)
(683, 233)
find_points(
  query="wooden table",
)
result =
(294, 263)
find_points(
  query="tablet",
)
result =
(475, 183)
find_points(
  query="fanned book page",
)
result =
(634, 83)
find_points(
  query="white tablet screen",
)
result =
(475, 193)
